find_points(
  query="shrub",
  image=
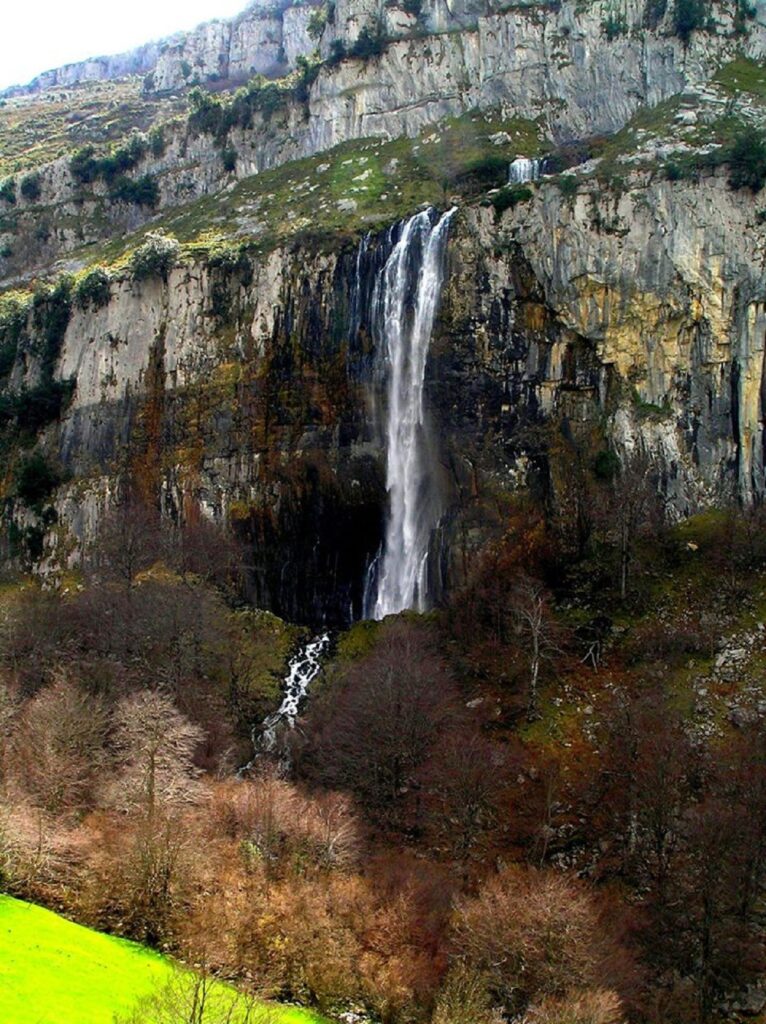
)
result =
(33, 407)
(463, 999)
(673, 171)
(568, 185)
(371, 42)
(122, 159)
(207, 116)
(156, 141)
(337, 52)
(614, 25)
(508, 198)
(487, 171)
(94, 289)
(689, 16)
(156, 257)
(14, 313)
(590, 1006)
(746, 157)
(317, 22)
(606, 465)
(744, 12)
(83, 166)
(8, 191)
(537, 935)
(143, 191)
(229, 159)
(654, 12)
(307, 75)
(30, 187)
(572, 154)
(35, 480)
(50, 317)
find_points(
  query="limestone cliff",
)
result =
(266, 38)
(623, 299)
(245, 390)
(555, 66)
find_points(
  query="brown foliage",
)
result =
(372, 734)
(56, 752)
(538, 934)
(155, 746)
(592, 1006)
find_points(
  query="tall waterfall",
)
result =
(405, 302)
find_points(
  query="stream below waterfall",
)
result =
(302, 670)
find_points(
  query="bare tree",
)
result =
(465, 775)
(129, 539)
(464, 999)
(538, 630)
(589, 1006)
(198, 998)
(155, 746)
(376, 729)
(57, 747)
(538, 934)
(634, 504)
(8, 708)
(277, 823)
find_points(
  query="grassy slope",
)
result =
(38, 128)
(354, 187)
(56, 972)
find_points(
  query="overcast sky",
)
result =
(36, 36)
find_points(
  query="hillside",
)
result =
(53, 971)
(382, 402)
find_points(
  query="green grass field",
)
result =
(56, 972)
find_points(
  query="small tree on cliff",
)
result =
(538, 631)
(634, 504)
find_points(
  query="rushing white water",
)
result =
(302, 671)
(405, 303)
(524, 169)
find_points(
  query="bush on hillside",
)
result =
(156, 257)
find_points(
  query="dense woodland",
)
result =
(543, 802)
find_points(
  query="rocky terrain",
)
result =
(189, 309)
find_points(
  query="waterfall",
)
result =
(404, 305)
(524, 169)
(302, 670)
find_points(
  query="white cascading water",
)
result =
(301, 673)
(405, 303)
(524, 169)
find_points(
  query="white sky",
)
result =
(36, 35)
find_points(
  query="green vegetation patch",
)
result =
(36, 129)
(742, 75)
(53, 971)
(354, 187)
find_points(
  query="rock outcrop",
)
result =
(247, 392)
(265, 39)
(556, 67)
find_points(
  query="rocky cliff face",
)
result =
(618, 301)
(266, 39)
(248, 391)
(556, 67)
